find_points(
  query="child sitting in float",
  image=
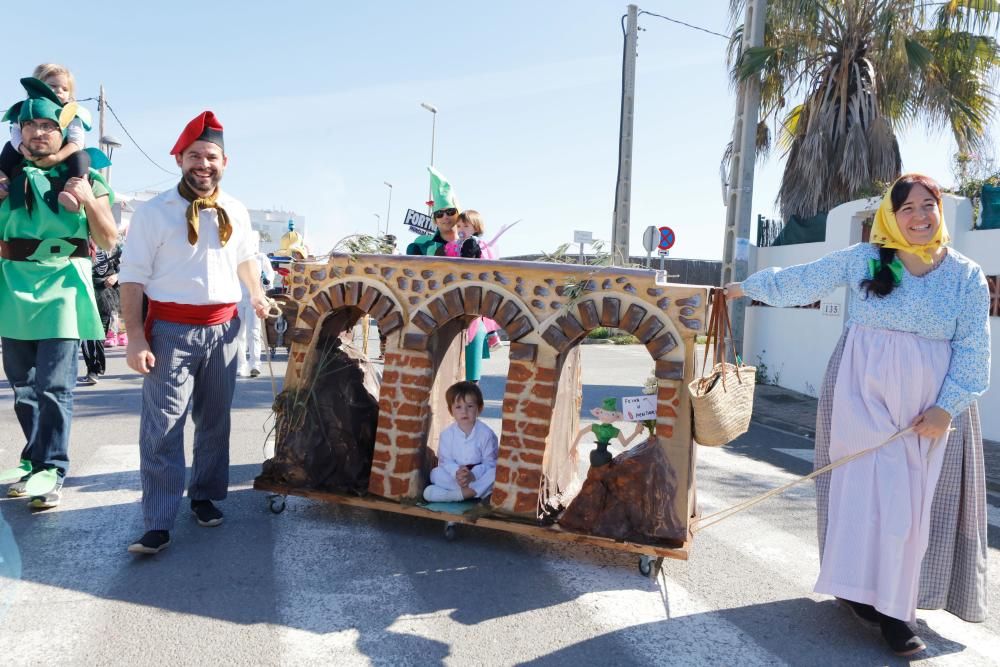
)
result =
(467, 451)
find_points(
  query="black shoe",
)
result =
(254, 372)
(153, 542)
(862, 612)
(207, 513)
(90, 379)
(901, 639)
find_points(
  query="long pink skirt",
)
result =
(879, 515)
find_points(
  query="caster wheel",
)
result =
(450, 532)
(649, 566)
(277, 504)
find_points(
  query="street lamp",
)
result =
(378, 224)
(108, 144)
(388, 208)
(434, 114)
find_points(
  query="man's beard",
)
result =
(195, 182)
(44, 151)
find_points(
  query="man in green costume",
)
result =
(46, 293)
(446, 210)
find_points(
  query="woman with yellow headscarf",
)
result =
(902, 526)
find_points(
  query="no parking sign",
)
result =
(667, 238)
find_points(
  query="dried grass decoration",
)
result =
(722, 400)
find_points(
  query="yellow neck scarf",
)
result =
(885, 232)
(195, 207)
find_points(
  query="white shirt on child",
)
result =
(478, 449)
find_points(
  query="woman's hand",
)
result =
(733, 290)
(933, 423)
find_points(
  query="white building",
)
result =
(273, 224)
(794, 344)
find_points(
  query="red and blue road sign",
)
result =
(667, 238)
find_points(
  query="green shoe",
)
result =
(12, 474)
(42, 483)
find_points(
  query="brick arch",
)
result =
(650, 325)
(505, 308)
(534, 387)
(370, 298)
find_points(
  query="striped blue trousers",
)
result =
(195, 369)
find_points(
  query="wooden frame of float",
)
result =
(552, 533)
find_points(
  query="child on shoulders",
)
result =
(467, 451)
(72, 154)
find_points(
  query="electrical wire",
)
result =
(136, 143)
(687, 25)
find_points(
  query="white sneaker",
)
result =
(16, 490)
(243, 372)
(48, 501)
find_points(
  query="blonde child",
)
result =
(77, 161)
(469, 238)
(467, 451)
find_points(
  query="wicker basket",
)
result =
(722, 400)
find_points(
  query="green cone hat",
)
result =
(42, 104)
(441, 191)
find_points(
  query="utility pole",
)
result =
(739, 195)
(100, 129)
(623, 189)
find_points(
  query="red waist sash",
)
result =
(184, 313)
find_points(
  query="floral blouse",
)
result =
(951, 303)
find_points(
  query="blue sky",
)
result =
(321, 105)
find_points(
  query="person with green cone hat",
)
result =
(46, 293)
(608, 414)
(445, 212)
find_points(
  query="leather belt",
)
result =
(39, 250)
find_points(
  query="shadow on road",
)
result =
(798, 632)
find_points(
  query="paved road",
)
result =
(324, 584)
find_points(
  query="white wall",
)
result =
(795, 343)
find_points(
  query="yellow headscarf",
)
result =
(885, 231)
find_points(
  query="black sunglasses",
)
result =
(445, 211)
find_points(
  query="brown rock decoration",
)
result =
(326, 427)
(629, 499)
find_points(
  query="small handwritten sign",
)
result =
(639, 408)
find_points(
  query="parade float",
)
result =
(343, 435)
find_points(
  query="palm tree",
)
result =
(864, 70)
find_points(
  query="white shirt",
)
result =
(266, 273)
(478, 449)
(157, 254)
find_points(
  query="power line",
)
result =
(136, 143)
(687, 25)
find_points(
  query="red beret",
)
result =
(205, 127)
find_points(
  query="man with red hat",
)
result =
(187, 249)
